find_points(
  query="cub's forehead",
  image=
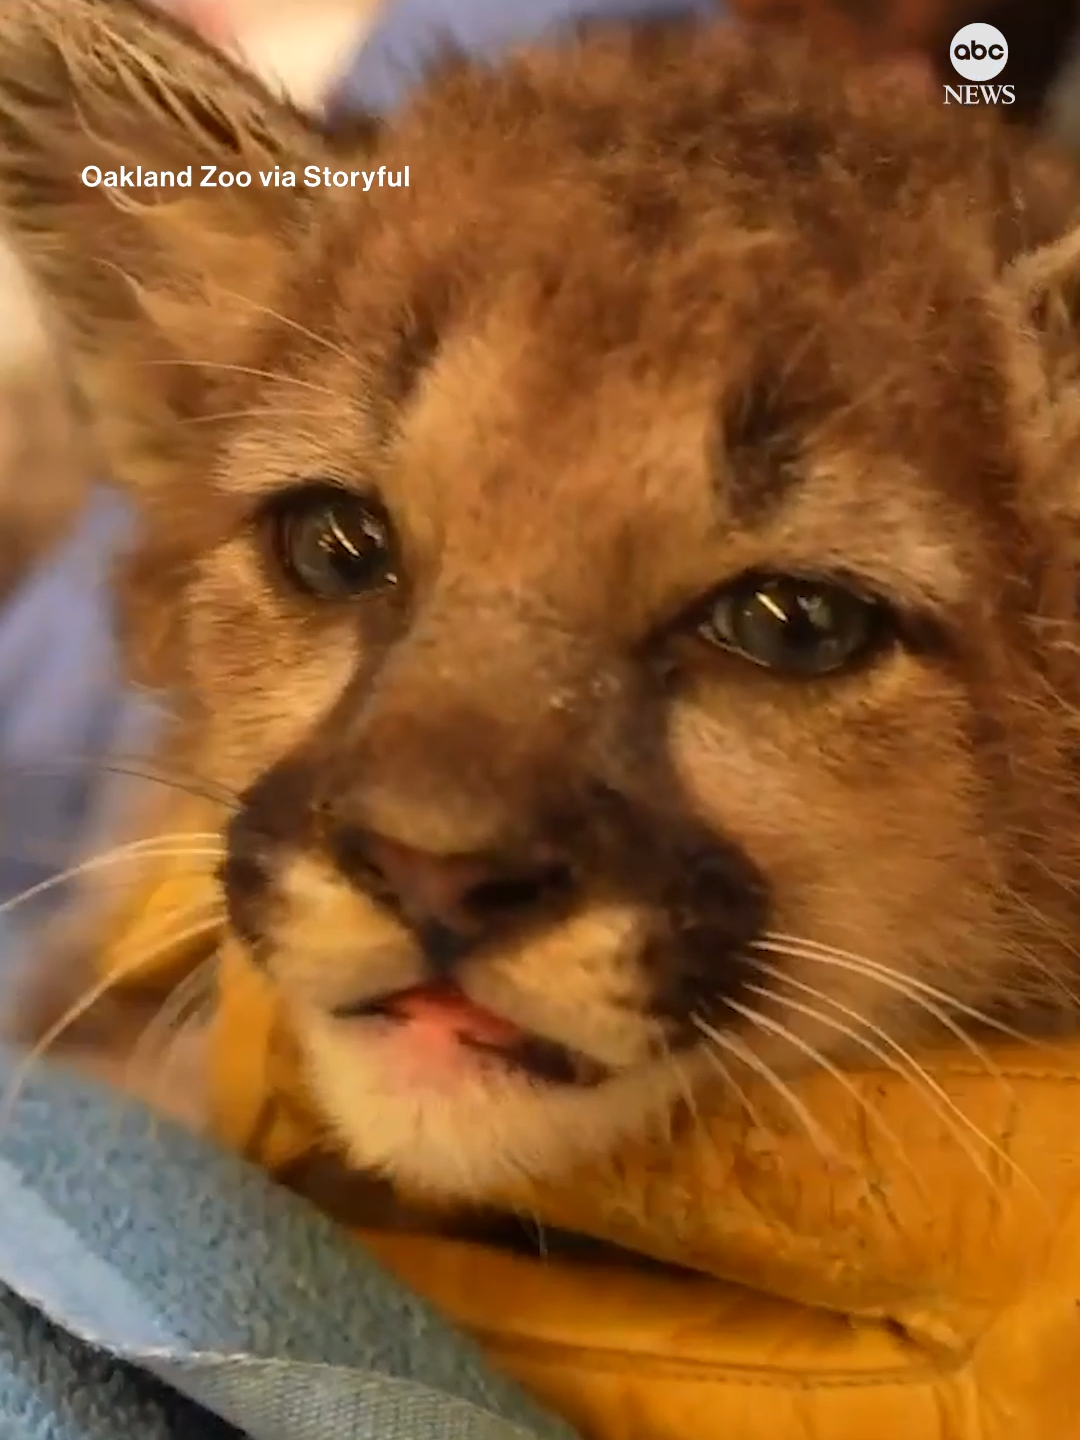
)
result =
(647, 118)
(562, 297)
(669, 203)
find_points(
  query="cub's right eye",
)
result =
(330, 543)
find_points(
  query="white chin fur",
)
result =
(486, 1131)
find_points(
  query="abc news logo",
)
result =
(978, 54)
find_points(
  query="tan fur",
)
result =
(603, 249)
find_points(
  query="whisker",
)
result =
(248, 370)
(701, 1129)
(734, 1046)
(189, 784)
(913, 990)
(254, 412)
(81, 1007)
(201, 789)
(292, 324)
(530, 1221)
(753, 1113)
(942, 996)
(944, 1107)
(671, 1060)
(153, 849)
(1059, 933)
(183, 1004)
(768, 1025)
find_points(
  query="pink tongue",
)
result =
(445, 1008)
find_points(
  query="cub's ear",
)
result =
(89, 87)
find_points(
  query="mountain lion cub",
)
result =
(625, 578)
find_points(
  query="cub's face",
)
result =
(626, 577)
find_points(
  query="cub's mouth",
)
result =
(442, 1008)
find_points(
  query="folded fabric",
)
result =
(151, 1286)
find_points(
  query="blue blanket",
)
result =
(157, 1289)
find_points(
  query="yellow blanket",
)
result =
(923, 1283)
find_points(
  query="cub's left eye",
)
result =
(333, 544)
(797, 627)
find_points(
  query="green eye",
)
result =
(333, 544)
(797, 627)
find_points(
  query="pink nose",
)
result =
(471, 895)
